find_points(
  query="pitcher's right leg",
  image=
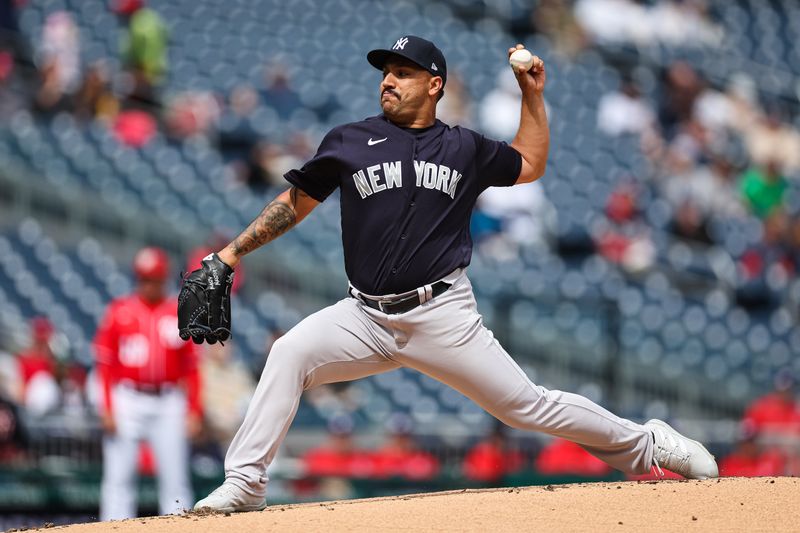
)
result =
(338, 343)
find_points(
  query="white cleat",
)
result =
(228, 498)
(679, 454)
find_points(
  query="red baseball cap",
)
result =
(127, 7)
(41, 328)
(151, 263)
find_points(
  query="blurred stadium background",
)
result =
(653, 269)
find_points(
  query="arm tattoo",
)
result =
(275, 220)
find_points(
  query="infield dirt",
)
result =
(728, 504)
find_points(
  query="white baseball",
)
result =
(521, 60)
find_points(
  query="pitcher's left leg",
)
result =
(447, 341)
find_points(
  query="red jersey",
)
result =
(769, 463)
(33, 361)
(771, 413)
(138, 342)
(391, 461)
(326, 462)
(564, 457)
(489, 462)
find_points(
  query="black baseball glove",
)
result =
(204, 303)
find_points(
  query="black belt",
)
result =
(401, 304)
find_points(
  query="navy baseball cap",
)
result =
(417, 50)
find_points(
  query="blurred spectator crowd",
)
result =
(128, 93)
(720, 156)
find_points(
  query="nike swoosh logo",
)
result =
(370, 142)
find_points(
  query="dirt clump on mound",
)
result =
(728, 504)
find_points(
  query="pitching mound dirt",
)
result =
(758, 504)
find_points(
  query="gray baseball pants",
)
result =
(443, 338)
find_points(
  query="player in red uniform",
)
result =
(750, 458)
(776, 415)
(149, 391)
(491, 459)
(38, 392)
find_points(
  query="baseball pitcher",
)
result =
(408, 183)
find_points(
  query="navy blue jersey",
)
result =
(406, 198)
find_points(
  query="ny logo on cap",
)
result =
(400, 44)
